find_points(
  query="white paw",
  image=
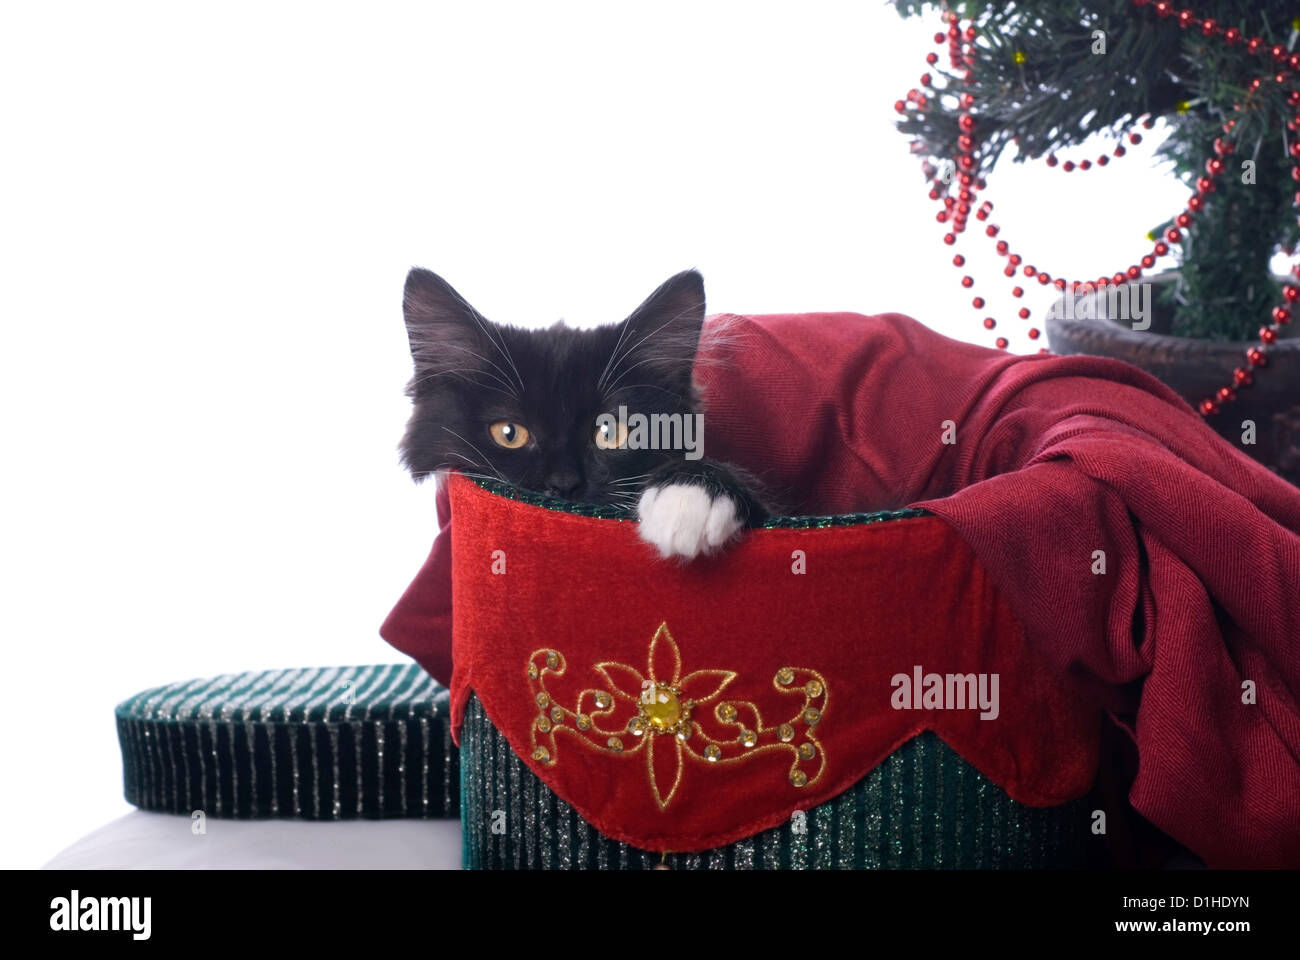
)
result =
(682, 520)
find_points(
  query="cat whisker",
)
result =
(633, 347)
(472, 463)
(486, 460)
(461, 375)
(622, 334)
(494, 337)
(644, 360)
(419, 346)
(476, 476)
(652, 386)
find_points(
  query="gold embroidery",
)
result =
(659, 714)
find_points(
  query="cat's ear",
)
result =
(665, 329)
(445, 332)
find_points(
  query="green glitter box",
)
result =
(923, 807)
(336, 743)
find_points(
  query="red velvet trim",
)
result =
(877, 600)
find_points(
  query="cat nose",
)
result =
(562, 483)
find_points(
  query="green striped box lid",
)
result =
(317, 743)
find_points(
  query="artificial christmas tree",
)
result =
(1224, 76)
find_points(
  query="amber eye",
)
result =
(510, 435)
(610, 433)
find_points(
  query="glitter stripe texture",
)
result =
(336, 743)
(925, 807)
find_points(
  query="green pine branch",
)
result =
(1039, 82)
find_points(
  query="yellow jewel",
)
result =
(664, 711)
(1020, 58)
(785, 732)
(807, 751)
(813, 688)
(798, 778)
(785, 676)
(1182, 106)
(1151, 236)
(812, 716)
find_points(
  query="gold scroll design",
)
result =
(670, 718)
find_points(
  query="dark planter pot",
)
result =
(1196, 369)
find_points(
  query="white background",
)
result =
(206, 215)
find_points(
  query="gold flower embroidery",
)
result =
(659, 713)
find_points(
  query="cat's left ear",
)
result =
(446, 333)
(665, 329)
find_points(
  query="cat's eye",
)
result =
(610, 433)
(509, 434)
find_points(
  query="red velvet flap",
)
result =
(788, 684)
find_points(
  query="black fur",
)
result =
(470, 373)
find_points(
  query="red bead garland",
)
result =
(961, 57)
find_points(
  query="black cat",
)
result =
(607, 416)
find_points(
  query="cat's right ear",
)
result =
(444, 331)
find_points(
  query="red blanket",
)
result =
(1191, 635)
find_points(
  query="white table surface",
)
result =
(143, 840)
